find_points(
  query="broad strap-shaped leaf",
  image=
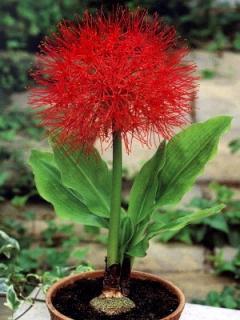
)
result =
(142, 197)
(127, 231)
(88, 175)
(143, 192)
(169, 222)
(65, 201)
(177, 223)
(186, 156)
(140, 249)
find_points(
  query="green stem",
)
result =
(114, 224)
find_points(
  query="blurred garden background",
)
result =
(35, 247)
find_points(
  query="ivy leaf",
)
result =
(186, 156)
(3, 278)
(8, 246)
(3, 273)
(66, 202)
(12, 299)
(88, 175)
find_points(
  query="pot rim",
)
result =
(98, 274)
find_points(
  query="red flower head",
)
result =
(120, 73)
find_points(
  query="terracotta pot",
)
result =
(56, 315)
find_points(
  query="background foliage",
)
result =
(204, 23)
(25, 22)
(217, 231)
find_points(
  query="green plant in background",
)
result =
(229, 298)
(213, 231)
(219, 43)
(25, 22)
(9, 249)
(14, 68)
(17, 128)
(24, 267)
(236, 42)
(56, 246)
(234, 145)
(21, 123)
(204, 23)
(226, 267)
(15, 177)
(208, 74)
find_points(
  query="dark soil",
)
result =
(152, 300)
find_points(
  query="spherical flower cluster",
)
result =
(118, 73)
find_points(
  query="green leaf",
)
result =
(236, 41)
(229, 302)
(127, 231)
(66, 202)
(218, 223)
(223, 194)
(208, 74)
(8, 246)
(142, 197)
(88, 175)
(143, 192)
(213, 298)
(3, 273)
(235, 145)
(79, 254)
(82, 268)
(12, 300)
(3, 280)
(140, 249)
(3, 178)
(169, 222)
(19, 201)
(177, 223)
(186, 156)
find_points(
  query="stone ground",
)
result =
(186, 265)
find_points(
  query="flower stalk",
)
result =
(114, 224)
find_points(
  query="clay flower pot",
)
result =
(53, 292)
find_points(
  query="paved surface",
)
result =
(4, 312)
